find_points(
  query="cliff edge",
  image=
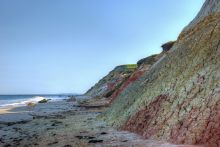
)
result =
(177, 99)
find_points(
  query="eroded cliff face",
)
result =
(208, 8)
(107, 85)
(178, 98)
(143, 66)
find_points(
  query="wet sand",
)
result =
(64, 124)
(3, 111)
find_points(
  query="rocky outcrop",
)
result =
(167, 46)
(177, 99)
(107, 85)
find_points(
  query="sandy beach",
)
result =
(63, 124)
(3, 111)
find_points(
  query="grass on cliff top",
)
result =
(126, 67)
(131, 66)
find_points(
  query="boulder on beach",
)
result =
(43, 101)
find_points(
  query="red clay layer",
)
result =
(143, 122)
(199, 126)
(130, 80)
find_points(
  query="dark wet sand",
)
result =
(65, 125)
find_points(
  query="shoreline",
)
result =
(9, 109)
(5, 110)
(69, 125)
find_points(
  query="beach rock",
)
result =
(103, 133)
(85, 137)
(52, 143)
(43, 101)
(95, 141)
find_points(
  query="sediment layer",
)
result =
(178, 99)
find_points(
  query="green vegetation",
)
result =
(131, 66)
(128, 67)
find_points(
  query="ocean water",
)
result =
(22, 100)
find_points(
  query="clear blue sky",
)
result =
(64, 46)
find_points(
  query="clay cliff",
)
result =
(107, 85)
(209, 7)
(175, 96)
